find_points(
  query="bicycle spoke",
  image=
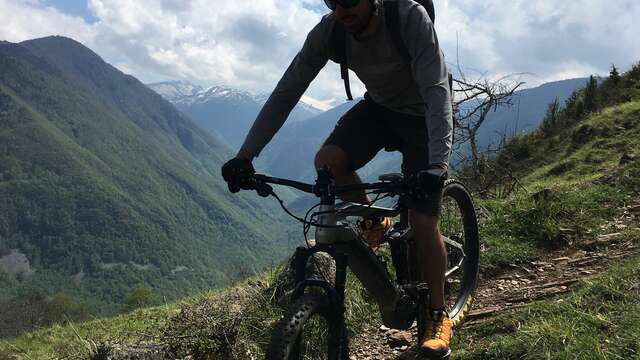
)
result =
(452, 270)
(454, 244)
(451, 224)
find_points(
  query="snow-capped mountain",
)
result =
(218, 93)
(184, 92)
(176, 90)
(224, 111)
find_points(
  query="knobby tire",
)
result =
(286, 340)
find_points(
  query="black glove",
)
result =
(236, 172)
(432, 180)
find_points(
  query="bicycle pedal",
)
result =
(395, 232)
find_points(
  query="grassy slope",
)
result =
(580, 167)
(227, 323)
(598, 320)
(574, 205)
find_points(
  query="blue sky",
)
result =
(248, 44)
(73, 7)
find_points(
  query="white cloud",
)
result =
(249, 44)
(222, 42)
(27, 19)
(548, 38)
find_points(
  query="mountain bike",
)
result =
(401, 296)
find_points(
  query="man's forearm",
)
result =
(432, 78)
(439, 120)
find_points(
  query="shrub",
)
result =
(139, 298)
(61, 307)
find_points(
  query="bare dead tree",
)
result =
(475, 100)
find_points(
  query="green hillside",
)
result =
(579, 171)
(575, 174)
(106, 187)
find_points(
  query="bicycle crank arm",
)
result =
(452, 270)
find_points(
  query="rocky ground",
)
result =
(515, 287)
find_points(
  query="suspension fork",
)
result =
(334, 293)
(339, 310)
(302, 282)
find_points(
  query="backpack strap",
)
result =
(392, 19)
(339, 44)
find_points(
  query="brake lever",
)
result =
(262, 188)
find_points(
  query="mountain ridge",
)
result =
(226, 112)
(98, 169)
(182, 91)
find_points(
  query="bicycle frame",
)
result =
(397, 300)
(347, 249)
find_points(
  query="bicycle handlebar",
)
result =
(260, 183)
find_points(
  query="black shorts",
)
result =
(369, 127)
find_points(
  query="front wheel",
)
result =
(309, 331)
(459, 225)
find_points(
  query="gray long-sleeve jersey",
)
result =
(418, 88)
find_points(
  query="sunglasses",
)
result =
(345, 4)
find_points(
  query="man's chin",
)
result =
(354, 28)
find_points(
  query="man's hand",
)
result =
(236, 171)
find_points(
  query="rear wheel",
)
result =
(458, 224)
(308, 331)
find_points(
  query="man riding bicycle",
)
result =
(407, 108)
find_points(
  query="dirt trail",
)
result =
(551, 275)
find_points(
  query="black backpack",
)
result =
(392, 19)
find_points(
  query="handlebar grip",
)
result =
(432, 180)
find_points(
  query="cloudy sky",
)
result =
(248, 44)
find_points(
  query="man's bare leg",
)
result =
(432, 254)
(336, 160)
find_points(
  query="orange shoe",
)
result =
(373, 232)
(438, 331)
